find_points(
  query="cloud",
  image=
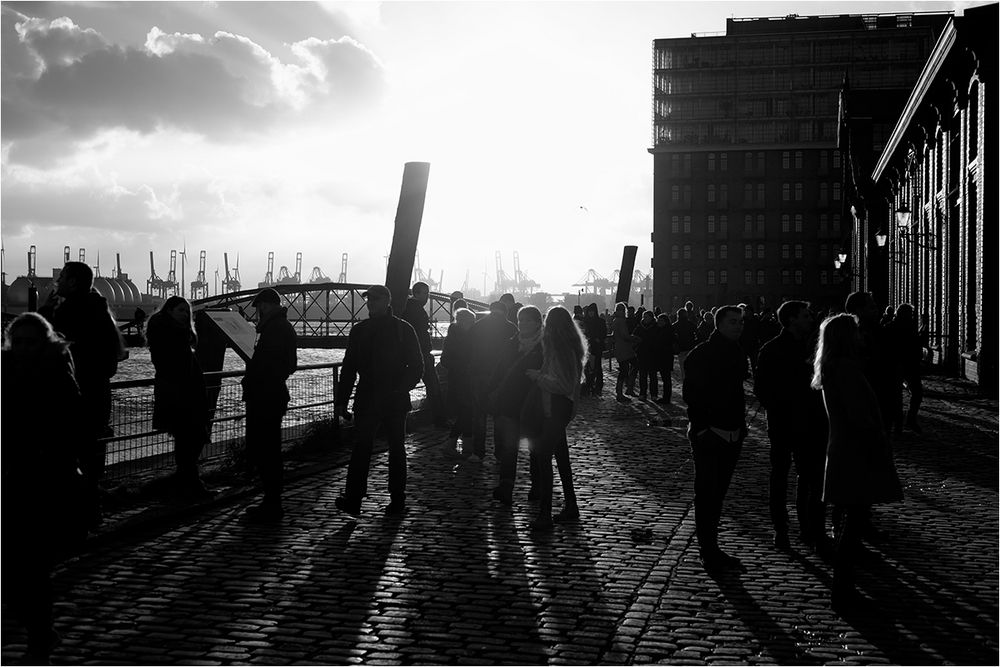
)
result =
(65, 83)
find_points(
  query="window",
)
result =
(747, 251)
(675, 194)
(675, 252)
(747, 193)
(723, 277)
(836, 192)
(824, 251)
(723, 161)
(723, 251)
(798, 223)
(748, 277)
(786, 160)
(798, 276)
(760, 251)
(711, 224)
(748, 162)
(687, 195)
(798, 192)
(786, 223)
(760, 223)
(675, 224)
(674, 278)
(824, 161)
(686, 168)
(786, 192)
(687, 277)
(711, 252)
(747, 225)
(786, 277)
(711, 277)
(785, 251)
(798, 251)
(687, 224)
(687, 252)
(711, 192)
(836, 159)
(798, 159)
(760, 276)
(973, 121)
(760, 193)
(836, 224)
(711, 161)
(824, 277)
(761, 163)
(724, 193)
(824, 224)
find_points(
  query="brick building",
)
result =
(748, 201)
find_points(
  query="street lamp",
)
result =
(903, 217)
(880, 238)
(842, 257)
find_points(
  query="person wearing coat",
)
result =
(665, 356)
(180, 404)
(859, 468)
(647, 353)
(624, 351)
(456, 359)
(596, 331)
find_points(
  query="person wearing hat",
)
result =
(383, 355)
(266, 395)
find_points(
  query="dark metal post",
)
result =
(409, 214)
(625, 274)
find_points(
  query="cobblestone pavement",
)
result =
(460, 580)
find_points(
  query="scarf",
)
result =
(525, 344)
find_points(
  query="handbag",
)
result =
(532, 413)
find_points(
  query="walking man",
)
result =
(266, 395)
(81, 315)
(713, 390)
(796, 424)
(415, 313)
(384, 356)
(489, 337)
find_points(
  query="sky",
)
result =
(255, 127)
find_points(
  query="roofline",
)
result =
(949, 35)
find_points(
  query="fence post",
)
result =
(336, 420)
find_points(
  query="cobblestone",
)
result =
(461, 580)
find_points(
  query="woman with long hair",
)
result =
(180, 404)
(42, 484)
(859, 467)
(564, 353)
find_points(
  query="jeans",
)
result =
(264, 446)
(808, 455)
(647, 378)
(393, 419)
(553, 443)
(714, 463)
(508, 442)
(667, 378)
(626, 376)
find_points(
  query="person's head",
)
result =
(889, 311)
(421, 292)
(904, 313)
(456, 295)
(681, 314)
(689, 306)
(378, 299)
(662, 320)
(620, 308)
(590, 311)
(648, 318)
(839, 340)
(577, 311)
(507, 300)
(796, 317)
(861, 305)
(464, 318)
(529, 321)
(707, 316)
(729, 322)
(266, 302)
(459, 303)
(562, 335)
(498, 308)
(75, 278)
(28, 334)
(630, 310)
(179, 310)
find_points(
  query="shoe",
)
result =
(354, 509)
(504, 496)
(567, 515)
(781, 542)
(720, 562)
(542, 525)
(395, 508)
(532, 493)
(264, 513)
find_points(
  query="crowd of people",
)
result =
(832, 395)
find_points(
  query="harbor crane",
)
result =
(465, 285)
(317, 276)
(504, 283)
(199, 286)
(231, 282)
(342, 278)
(286, 278)
(155, 285)
(269, 276)
(184, 260)
(170, 288)
(522, 283)
(594, 283)
(419, 275)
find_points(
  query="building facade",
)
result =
(926, 234)
(748, 177)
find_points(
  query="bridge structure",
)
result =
(322, 314)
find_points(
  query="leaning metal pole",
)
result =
(625, 274)
(409, 214)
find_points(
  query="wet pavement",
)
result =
(459, 579)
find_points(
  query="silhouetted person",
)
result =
(211, 354)
(647, 361)
(456, 358)
(750, 339)
(180, 405)
(685, 338)
(507, 390)
(713, 390)
(415, 313)
(41, 508)
(595, 329)
(796, 424)
(265, 391)
(665, 356)
(859, 467)
(906, 342)
(509, 304)
(489, 337)
(81, 315)
(705, 327)
(624, 351)
(878, 358)
(887, 316)
(564, 351)
(384, 355)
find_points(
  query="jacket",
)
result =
(782, 385)
(489, 339)
(713, 385)
(85, 321)
(275, 357)
(456, 358)
(180, 404)
(648, 347)
(624, 343)
(859, 466)
(685, 335)
(416, 316)
(384, 356)
(509, 383)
